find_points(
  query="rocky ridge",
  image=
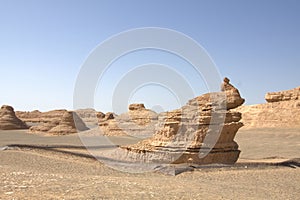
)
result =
(282, 110)
(38, 117)
(287, 95)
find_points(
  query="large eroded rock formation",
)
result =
(201, 132)
(9, 120)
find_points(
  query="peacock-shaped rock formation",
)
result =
(201, 132)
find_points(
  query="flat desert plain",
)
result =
(59, 167)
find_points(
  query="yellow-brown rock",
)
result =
(233, 95)
(204, 126)
(287, 95)
(138, 121)
(89, 116)
(39, 117)
(69, 123)
(9, 120)
(281, 110)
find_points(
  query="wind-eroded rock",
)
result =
(282, 110)
(69, 123)
(201, 132)
(39, 117)
(232, 94)
(9, 120)
(89, 116)
(287, 95)
(138, 121)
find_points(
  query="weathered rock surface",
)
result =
(9, 120)
(201, 132)
(287, 95)
(232, 94)
(89, 116)
(282, 110)
(63, 126)
(138, 121)
(37, 116)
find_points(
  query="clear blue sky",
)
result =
(43, 43)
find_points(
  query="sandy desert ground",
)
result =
(268, 168)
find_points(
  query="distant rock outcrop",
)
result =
(89, 116)
(38, 117)
(9, 120)
(204, 126)
(138, 121)
(282, 110)
(286, 95)
(69, 123)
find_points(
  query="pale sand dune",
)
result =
(35, 174)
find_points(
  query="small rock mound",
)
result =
(136, 106)
(29, 116)
(105, 117)
(44, 127)
(70, 123)
(138, 121)
(89, 116)
(66, 125)
(9, 120)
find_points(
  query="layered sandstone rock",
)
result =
(232, 94)
(138, 121)
(201, 132)
(69, 123)
(44, 127)
(89, 116)
(39, 117)
(286, 95)
(9, 120)
(282, 110)
(32, 116)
